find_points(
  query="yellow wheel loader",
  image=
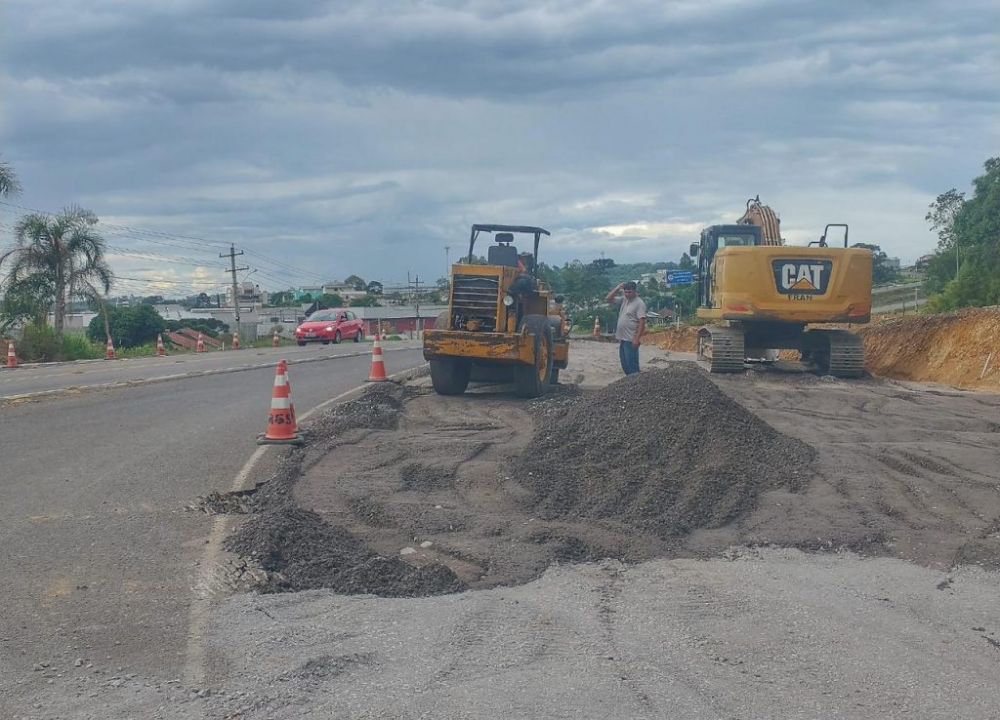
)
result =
(502, 323)
(762, 296)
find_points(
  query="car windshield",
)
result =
(323, 316)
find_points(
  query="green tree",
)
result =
(941, 215)
(882, 272)
(356, 282)
(66, 251)
(283, 298)
(330, 300)
(129, 326)
(8, 181)
(973, 229)
(26, 301)
(686, 262)
(374, 288)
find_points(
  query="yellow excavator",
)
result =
(761, 295)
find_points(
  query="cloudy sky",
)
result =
(330, 138)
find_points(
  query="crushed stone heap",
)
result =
(665, 451)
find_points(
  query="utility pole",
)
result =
(447, 260)
(415, 294)
(233, 269)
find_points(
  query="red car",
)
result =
(327, 326)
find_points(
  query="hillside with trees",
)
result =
(965, 268)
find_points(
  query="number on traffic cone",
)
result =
(109, 353)
(597, 327)
(378, 364)
(161, 350)
(236, 341)
(200, 347)
(281, 426)
(11, 355)
(275, 341)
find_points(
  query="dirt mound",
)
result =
(302, 552)
(679, 339)
(664, 451)
(961, 349)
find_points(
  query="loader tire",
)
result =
(450, 376)
(530, 380)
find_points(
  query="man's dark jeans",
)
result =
(629, 355)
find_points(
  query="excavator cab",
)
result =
(716, 238)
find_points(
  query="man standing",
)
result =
(631, 325)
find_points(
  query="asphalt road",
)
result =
(30, 379)
(99, 551)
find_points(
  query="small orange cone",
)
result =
(597, 327)
(378, 364)
(281, 426)
(110, 352)
(161, 350)
(200, 347)
(275, 341)
(11, 355)
(236, 341)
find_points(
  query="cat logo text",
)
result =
(802, 279)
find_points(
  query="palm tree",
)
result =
(66, 251)
(8, 180)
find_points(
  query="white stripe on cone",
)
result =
(281, 403)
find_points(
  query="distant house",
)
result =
(249, 294)
(344, 290)
(313, 291)
(347, 292)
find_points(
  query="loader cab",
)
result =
(713, 239)
(503, 252)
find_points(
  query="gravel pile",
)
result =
(302, 552)
(298, 549)
(664, 451)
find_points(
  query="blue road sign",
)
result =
(680, 277)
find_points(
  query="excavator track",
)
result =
(836, 352)
(723, 348)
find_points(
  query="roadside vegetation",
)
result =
(965, 268)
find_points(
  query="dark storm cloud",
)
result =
(379, 131)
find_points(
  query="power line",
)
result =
(144, 231)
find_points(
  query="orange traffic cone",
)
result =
(378, 364)
(200, 347)
(161, 350)
(110, 352)
(281, 426)
(597, 327)
(11, 355)
(275, 341)
(236, 341)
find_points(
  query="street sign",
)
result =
(680, 277)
